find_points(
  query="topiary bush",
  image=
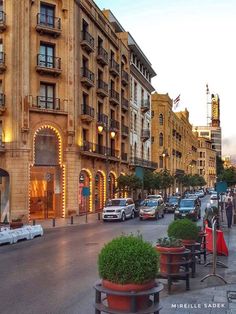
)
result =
(183, 229)
(128, 259)
(169, 242)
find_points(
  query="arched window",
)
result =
(161, 139)
(161, 119)
(46, 148)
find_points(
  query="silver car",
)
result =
(119, 209)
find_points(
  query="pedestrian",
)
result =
(229, 211)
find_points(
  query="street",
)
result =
(55, 273)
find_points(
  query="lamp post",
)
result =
(164, 156)
(112, 133)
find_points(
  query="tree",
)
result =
(228, 175)
(128, 183)
(219, 166)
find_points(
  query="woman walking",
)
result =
(229, 211)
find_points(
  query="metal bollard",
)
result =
(71, 220)
(99, 216)
(34, 222)
(53, 222)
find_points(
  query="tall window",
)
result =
(161, 162)
(131, 88)
(135, 122)
(161, 139)
(46, 148)
(161, 119)
(135, 91)
(47, 14)
(46, 56)
(47, 96)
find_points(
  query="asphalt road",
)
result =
(55, 273)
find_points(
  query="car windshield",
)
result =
(150, 203)
(173, 200)
(116, 202)
(154, 196)
(187, 203)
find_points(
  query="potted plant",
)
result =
(16, 223)
(185, 230)
(169, 245)
(128, 263)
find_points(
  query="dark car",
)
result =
(172, 203)
(188, 208)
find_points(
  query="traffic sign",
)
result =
(221, 187)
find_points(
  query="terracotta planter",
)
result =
(173, 259)
(123, 303)
(188, 242)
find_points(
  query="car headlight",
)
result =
(177, 212)
(192, 211)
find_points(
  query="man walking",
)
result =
(229, 211)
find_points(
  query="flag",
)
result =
(176, 101)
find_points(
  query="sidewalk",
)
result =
(210, 296)
(66, 222)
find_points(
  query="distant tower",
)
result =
(215, 110)
(208, 104)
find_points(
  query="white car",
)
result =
(119, 209)
(156, 196)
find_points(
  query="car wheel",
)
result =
(123, 217)
(157, 217)
(163, 215)
(133, 214)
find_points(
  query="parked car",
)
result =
(214, 199)
(200, 193)
(152, 208)
(172, 203)
(119, 209)
(188, 208)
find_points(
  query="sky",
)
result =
(190, 43)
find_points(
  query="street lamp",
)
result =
(112, 133)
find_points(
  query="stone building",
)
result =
(174, 145)
(64, 79)
(206, 163)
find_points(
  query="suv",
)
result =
(188, 208)
(172, 203)
(118, 209)
(152, 208)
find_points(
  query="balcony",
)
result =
(124, 130)
(3, 25)
(114, 97)
(139, 162)
(87, 41)
(124, 157)
(87, 77)
(2, 103)
(102, 56)
(102, 88)
(48, 65)
(114, 125)
(48, 25)
(47, 103)
(102, 119)
(124, 77)
(145, 135)
(87, 113)
(114, 68)
(145, 105)
(98, 151)
(124, 104)
(2, 62)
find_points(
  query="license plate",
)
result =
(110, 216)
(183, 214)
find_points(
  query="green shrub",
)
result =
(183, 229)
(128, 259)
(169, 242)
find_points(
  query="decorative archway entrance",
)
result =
(85, 192)
(99, 196)
(111, 185)
(4, 195)
(46, 175)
